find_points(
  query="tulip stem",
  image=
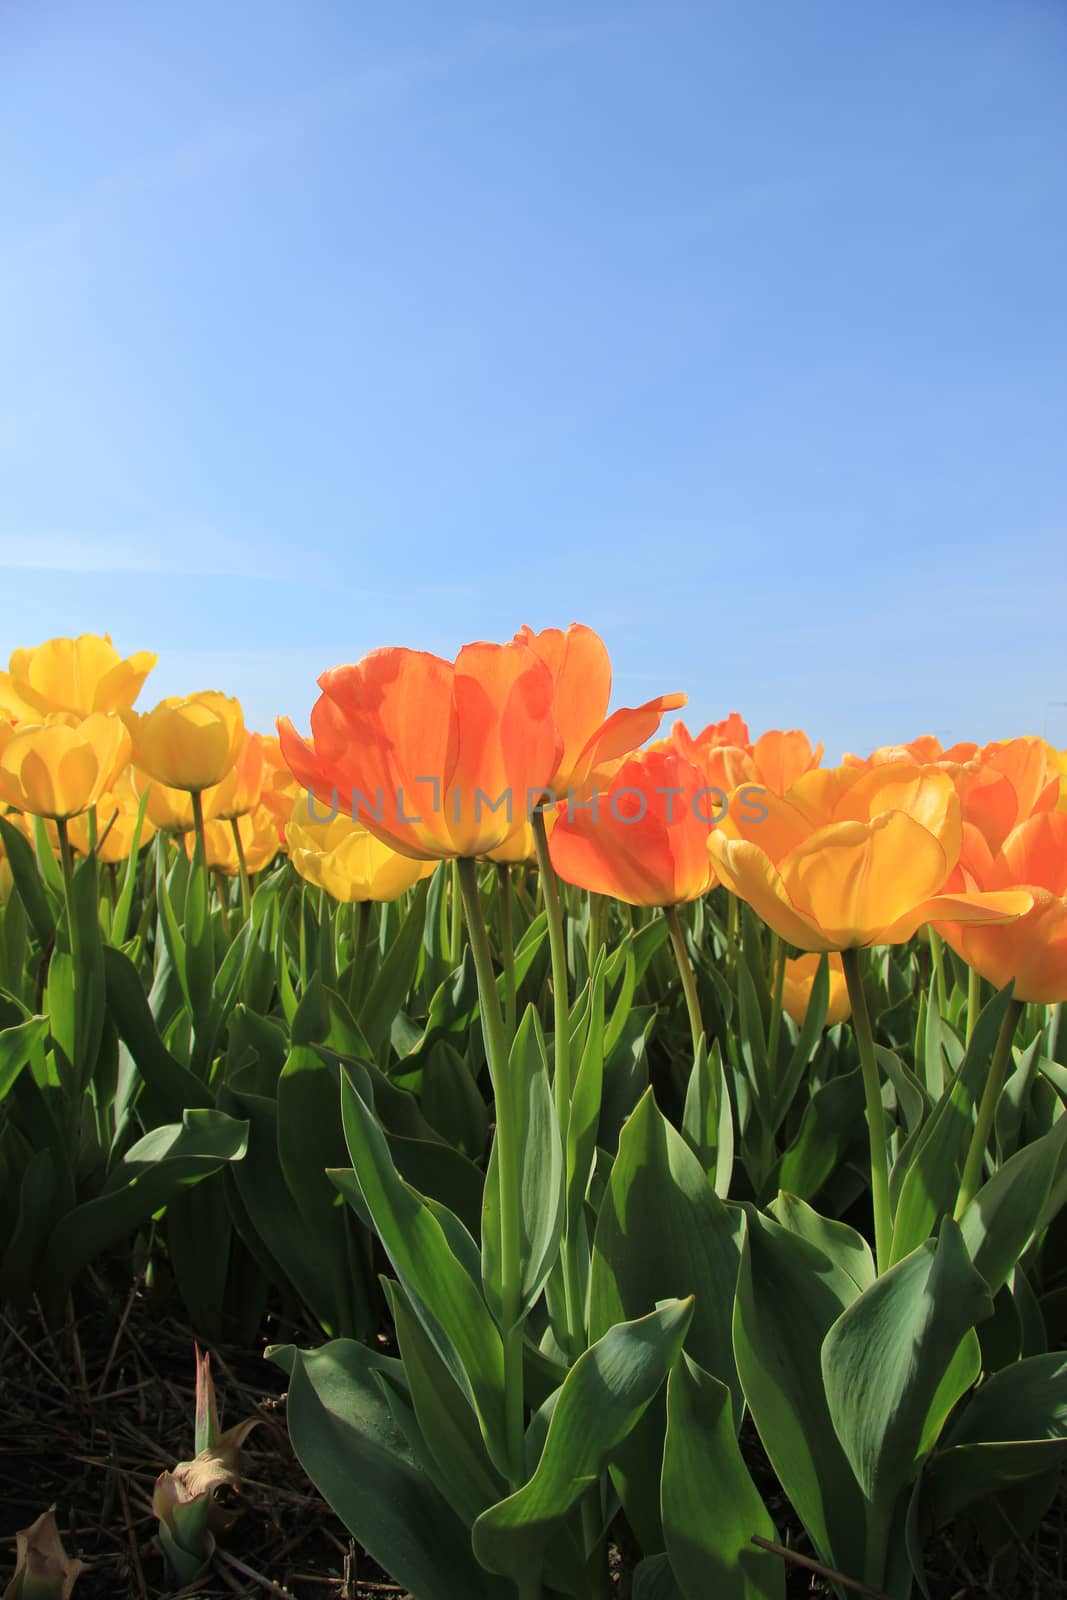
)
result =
(775, 1029)
(508, 1166)
(974, 1002)
(66, 856)
(242, 867)
(455, 948)
(938, 961)
(872, 1092)
(987, 1109)
(561, 1023)
(687, 975)
(507, 947)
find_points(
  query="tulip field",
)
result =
(640, 1154)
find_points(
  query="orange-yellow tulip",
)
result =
(63, 765)
(775, 761)
(189, 743)
(241, 789)
(800, 975)
(436, 758)
(259, 842)
(341, 857)
(78, 675)
(280, 789)
(851, 858)
(645, 840)
(1033, 950)
(593, 741)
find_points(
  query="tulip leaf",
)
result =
(351, 1448)
(895, 1363)
(422, 1245)
(925, 1179)
(828, 1126)
(585, 1099)
(394, 978)
(16, 1044)
(848, 1249)
(711, 1507)
(789, 1294)
(170, 1088)
(602, 1397)
(27, 881)
(1001, 1219)
(707, 1117)
(155, 1168)
(533, 1116)
(1013, 1428)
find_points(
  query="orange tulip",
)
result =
(280, 789)
(241, 789)
(581, 677)
(775, 761)
(1033, 950)
(645, 840)
(800, 975)
(850, 858)
(435, 758)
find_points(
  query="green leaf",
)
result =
(828, 1126)
(895, 1363)
(352, 1450)
(16, 1043)
(711, 1507)
(846, 1248)
(27, 881)
(1013, 1428)
(1001, 1219)
(663, 1233)
(707, 1119)
(585, 1101)
(155, 1168)
(171, 1088)
(394, 977)
(423, 1250)
(789, 1295)
(533, 1116)
(602, 1397)
(925, 1179)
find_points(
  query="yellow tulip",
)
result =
(241, 789)
(62, 766)
(80, 675)
(116, 818)
(800, 977)
(189, 743)
(341, 857)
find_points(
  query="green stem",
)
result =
(558, 950)
(242, 867)
(730, 953)
(974, 1002)
(509, 1165)
(987, 1109)
(872, 1092)
(507, 947)
(938, 959)
(221, 890)
(66, 856)
(687, 975)
(455, 948)
(363, 917)
(774, 1032)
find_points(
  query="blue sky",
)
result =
(736, 329)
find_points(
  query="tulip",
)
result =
(775, 761)
(241, 789)
(1032, 951)
(848, 859)
(800, 975)
(78, 675)
(341, 857)
(645, 840)
(116, 821)
(436, 759)
(189, 743)
(1003, 784)
(255, 833)
(581, 676)
(62, 766)
(280, 789)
